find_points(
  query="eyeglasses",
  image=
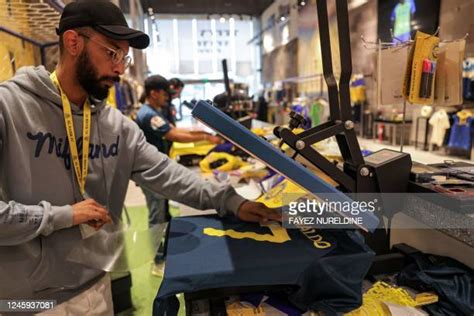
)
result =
(117, 55)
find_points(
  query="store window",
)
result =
(192, 48)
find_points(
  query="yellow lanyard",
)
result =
(81, 173)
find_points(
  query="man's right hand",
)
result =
(215, 139)
(90, 212)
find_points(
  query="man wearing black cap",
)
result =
(156, 125)
(160, 132)
(65, 163)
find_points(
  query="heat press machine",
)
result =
(374, 173)
(385, 171)
(234, 102)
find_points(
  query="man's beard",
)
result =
(87, 75)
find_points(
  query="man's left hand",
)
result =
(257, 212)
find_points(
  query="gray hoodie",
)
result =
(38, 185)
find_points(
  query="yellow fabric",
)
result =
(382, 292)
(463, 116)
(15, 52)
(197, 148)
(251, 171)
(262, 131)
(81, 171)
(112, 99)
(274, 197)
(232, 163)
(6, 69)
(239, 309)
(357, 94)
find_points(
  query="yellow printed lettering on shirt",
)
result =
(317, 239)
(278, 234)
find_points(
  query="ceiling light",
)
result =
(282, 18)
(222, 19)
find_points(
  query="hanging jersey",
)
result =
(460, 137)
(468, 78)
(208, 252)
(315, 113)
(439, 123)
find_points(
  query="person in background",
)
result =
(66, 160)
(159, 131)
(169, 111)
(176, 87)
(262, 107)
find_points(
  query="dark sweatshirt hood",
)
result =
(36, 80)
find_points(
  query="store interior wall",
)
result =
(281, 63)
(363, 22)
(280, 41)
(272, 15)
(454, 22)
(310, 49)
(14, 52)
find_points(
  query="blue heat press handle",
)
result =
(274, 158)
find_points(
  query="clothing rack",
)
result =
(403, 43)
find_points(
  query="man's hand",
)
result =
(214, 139)
(257, 212)
(90, 212)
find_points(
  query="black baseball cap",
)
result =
(103, 16)
(157, 82)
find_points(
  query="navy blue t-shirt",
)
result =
(155, 126)
(208, 252)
